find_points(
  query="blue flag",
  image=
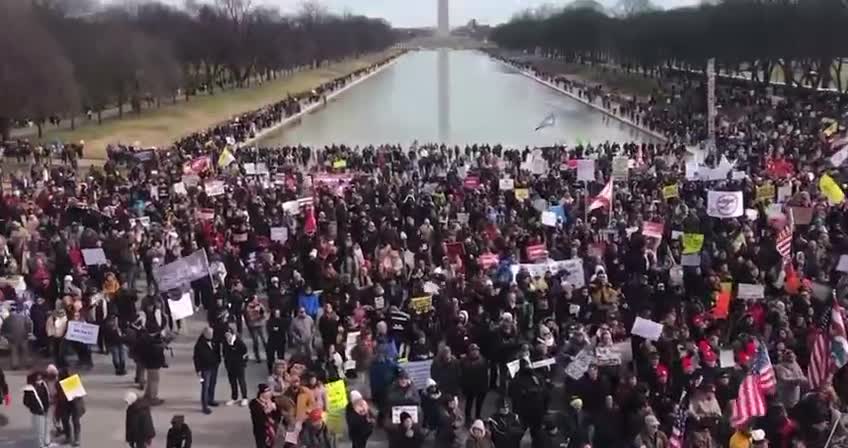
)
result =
(549, 121)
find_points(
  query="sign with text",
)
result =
(82, 332)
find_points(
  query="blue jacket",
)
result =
(310, 303)
(382, 374)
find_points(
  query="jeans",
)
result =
(208, 378)
(237, 381)
(119, 357)
(41, 428)
(257, 334)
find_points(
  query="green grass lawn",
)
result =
(162, 126)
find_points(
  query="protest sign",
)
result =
(691, 260)
(182, 271)
(214, 188)
(843, 263)
(181, 308)
(144, 221)
(624, 350)
(513, 367)
(72, 387)
(766, 192)
(580, 364)
(280, 234)
(801, 216)
(549, 219)
(180, 189)
(421, 304)
(750, 291)
(692, 243)
(522, 193)
(671, 191)
(543, 363)
(620, 168)
(607, 356)
(471, 182)
(726, 359)
(784, 193)
(336, 395)
(340, 164)
(537, 252)
(586, 170)
(506, 184)
(350, 343)
(419, 372)
(653, 229)
(462, 218)
(725, 204)
(647, 329)
(94, 257)
(82, 332)
(398, 410)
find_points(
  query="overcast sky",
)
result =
(421, 13)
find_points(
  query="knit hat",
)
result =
(355, 396)
(431, 382)
(758, 435)
(130, 397)
(262, 388)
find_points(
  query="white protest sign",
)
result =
(725, 204)
(586, 170)
(607, 356)
(843, 263)
(676, 234)
(291, 207)
(784, 192)
(750, 291)
(350, 343)
(647, 329)
(620, 168)
(419, 372)
(506, 184)
(182, 308)
(513, 367)
(580, 364)
(180, 188)
(144, 221)
(279, 234)
(576, 277)
(462, 218)
(214, 187)
(543, 363)
(725, 359)
(83, 332)
(549, 219)
(94, 257)
(411, 410)
(693, 260)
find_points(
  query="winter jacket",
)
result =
(235, 355)
(36, 398)
(359, 427)
(139, 423)
(399, 439)
(446, 373)
(382, 374)
(312, 437)
(450, 432)
(302, 330)
(16, 328)
(206, 355)
(506, 430)
(179, 437)
(485, 442)
(398, 396)
(255, 314)
(310, 303)
(474, 375)
(790, 378)
(57, 325)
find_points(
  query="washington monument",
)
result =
(444, 18)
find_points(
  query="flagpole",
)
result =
(586, 202)
(612, 201)
(832, 431)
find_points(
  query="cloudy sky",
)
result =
(421, 13)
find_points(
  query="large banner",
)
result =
(182, 271)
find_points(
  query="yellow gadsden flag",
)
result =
(831, 190)
(226, 158)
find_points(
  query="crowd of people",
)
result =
(591, 303)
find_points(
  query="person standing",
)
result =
(207, 358)
(474, 379)
(70, 411)
(17, 328)
(37, 399)
(477, 437)
(449, 433)
(256, 316)
(235, 361)
(278, 328)
(139, 422)
(360, 420)
(265, 417)
(407, 434)
(505, 427)
(113, 338)
(315, 433)
(302, 333)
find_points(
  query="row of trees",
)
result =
(63, 57)
(802, 40)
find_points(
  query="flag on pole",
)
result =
(603, 199)
(831, 190)
(839, 147)
(537, 252)
(226, 158)
(830, 347)
(678, 426)
(549, 121)
(751, 401)
(784, 243)
(488, 260)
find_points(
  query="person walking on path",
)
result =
(235, 361)
(70, 411)
(207, 358)
(139, 423)
(36, 398)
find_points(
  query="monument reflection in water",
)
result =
(453, 97)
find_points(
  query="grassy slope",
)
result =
(160, 127)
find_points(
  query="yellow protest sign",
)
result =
(521, 193)
(692, 243)
(340, 164)
(336, 395)
(831, 190)
(72, 387)
(671, 191)
(421, 304)
(766, 192)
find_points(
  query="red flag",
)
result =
(603, 199)
(309, 224)
(791, 281)
(722, 301)
(471, 182)
(197, 165)
(537, 252)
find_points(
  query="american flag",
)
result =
(784, 243)
(751, 400)
(537, 252)
(488, 260)
(678, 428)
(829, 347)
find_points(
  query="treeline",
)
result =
(802, 40)
(64, 57)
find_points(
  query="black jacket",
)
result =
(474, 375)
(36, 399)
(206, 354)
(139, 422)
(358, 426)
(179, 437)
(235, 356)
(398, 438)
(506, 430)
(4, 387)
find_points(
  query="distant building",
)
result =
(444, 18)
